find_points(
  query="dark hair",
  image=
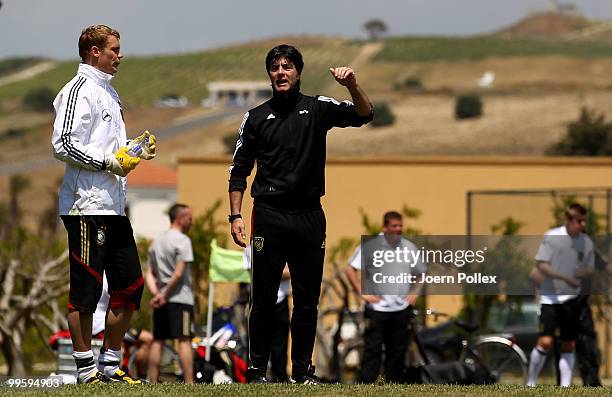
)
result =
(285, 51)
(175, 210)
(95, 35)
(390, 216)
(574, 209)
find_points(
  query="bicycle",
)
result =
(503, 358)
(339, 342)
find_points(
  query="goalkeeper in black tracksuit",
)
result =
(287, 137)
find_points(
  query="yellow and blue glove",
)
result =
(143, 146)
(121, 163)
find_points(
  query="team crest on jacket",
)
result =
(100, 237)
(258, 243)
(106, 116)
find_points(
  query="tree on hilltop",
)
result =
(375, 28)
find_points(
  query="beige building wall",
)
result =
(437, 186)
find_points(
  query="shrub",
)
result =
(383, 115)
(590, 135)
(410, 83)
(39, 99)
(13, 133)
(468, 106)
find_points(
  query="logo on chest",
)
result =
(106, 116)
(100, 236)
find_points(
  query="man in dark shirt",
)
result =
(287, 137)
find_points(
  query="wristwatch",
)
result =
(232, 218)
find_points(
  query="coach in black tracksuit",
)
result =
(287, 137)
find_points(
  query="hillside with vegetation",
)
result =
(540, 77)
(143, 80)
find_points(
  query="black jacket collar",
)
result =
(282, 103)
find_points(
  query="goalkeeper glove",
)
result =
(121, 163)
(143, 146)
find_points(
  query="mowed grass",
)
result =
(171, 390)
(425, 49)
(142, 80)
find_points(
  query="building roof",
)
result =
(150, 174)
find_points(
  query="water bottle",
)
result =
(136, 146)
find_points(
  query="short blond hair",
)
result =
(94, 35)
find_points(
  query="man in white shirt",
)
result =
(388, 316)
(564, 257)
(89, 136)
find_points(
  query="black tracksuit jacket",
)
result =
(287, 137)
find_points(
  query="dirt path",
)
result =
(365, 54)
(27, 73)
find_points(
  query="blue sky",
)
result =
(50, 28)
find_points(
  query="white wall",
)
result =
(148, 210)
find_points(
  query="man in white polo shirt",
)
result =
(564, 257)
(387, 316)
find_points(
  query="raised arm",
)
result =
(346, 77)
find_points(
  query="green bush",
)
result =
(590, 135)
(468, 106)
(13, 133)
(412, 83)
(383, 115)
(39, 99)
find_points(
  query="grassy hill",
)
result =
(540, 82)
(547, 24)
(142, 80)
(12, 65)
(427, 49)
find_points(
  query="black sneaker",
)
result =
(254, 375)
(309, 378)
(98, 377)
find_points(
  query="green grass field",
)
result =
(142, 80)
(426, 49)
(311, 391)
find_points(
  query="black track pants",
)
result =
(296, 238)
(587, 351)
(391, 330)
